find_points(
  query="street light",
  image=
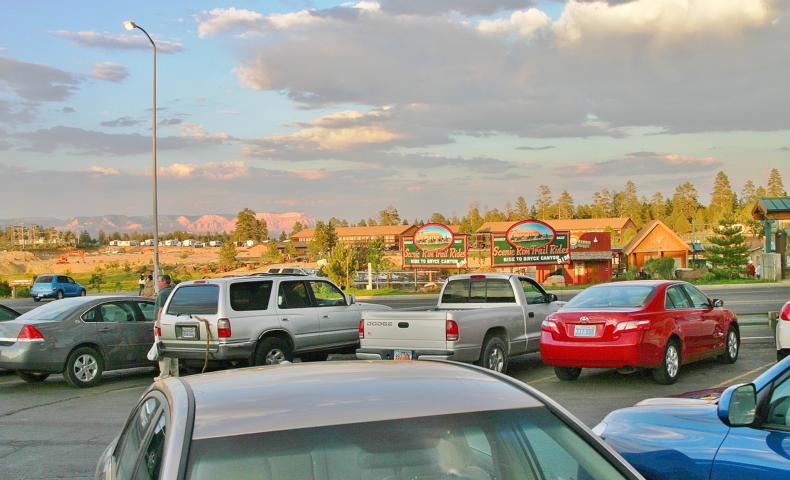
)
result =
(130, 25)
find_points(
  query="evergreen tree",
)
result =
(377, 255)
(521, 210)
(248, 227)
(776, 187)
(602, 204)
(685, 201)
(324, 240)
(298, 227)
(283, 236)
(272, 254)
(748, 193)
(342, 265)
(389, 216)
(583, 211)
(227, 255)
(723, 199)
(728, 252)
(362, 223)
(627, 203)
(544, 203)
(658, 207)
(438, 218)
(564, 206)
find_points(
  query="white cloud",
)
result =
(178, 170)
(522, 23)
(198, 131)
(368, 6)
(225, 170)
(111, 72)
(665, 19)
(100, 170)
(309, 174)
(221, 20)
(88, 38)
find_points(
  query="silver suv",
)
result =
(259, 320)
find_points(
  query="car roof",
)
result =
(293, 396)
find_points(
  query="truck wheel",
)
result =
(272, 351)
(667, 373)
(494, 355)
(731, 347)
(84, 368)
(567, 374)
(32, 377)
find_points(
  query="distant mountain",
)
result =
(210, 223)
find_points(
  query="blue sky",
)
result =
(344, 108)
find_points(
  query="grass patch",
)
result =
(728, 281)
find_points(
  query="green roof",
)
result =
(774, 204)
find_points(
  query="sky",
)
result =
(341, 109)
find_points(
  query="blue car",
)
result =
(745, 434)
(55, 286)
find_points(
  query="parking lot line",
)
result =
(540, 380)
(732, 380)
(11, 380)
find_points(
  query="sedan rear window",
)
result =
(507, 445)
(52, 311)
(44, 279)
(194, 299)
(613, 296)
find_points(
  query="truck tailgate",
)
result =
(407, 330)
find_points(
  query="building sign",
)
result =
(530, 242)
(435, 246)
(591, 242)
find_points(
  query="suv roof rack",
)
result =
(271, 274)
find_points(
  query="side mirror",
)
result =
(717, 303)
(351, 299)
(552, 297)
(738, 406)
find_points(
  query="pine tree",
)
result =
(776, 187)
(658, 207)
(723, 199)
(544, 203)
(227, 255)
(685, 201)
(342, 265)
(272, 254)
(728, 252)
(521, 211)
(602, 204)
(324, 240)
(298, 227)
(437, 217)
(748, 193)
(389, 216)
(628, 205)
(248, 227)
(564, 206)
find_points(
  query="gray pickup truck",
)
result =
(481, 318)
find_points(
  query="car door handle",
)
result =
(531, 314)
(285, 319)
(324, 316)
(104, 329)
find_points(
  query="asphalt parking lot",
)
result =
(51, 430)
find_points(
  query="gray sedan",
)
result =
(79, 337)
(425, 420)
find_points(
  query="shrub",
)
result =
(5, 290)
(663, 268)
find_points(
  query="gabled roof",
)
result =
(772, 208)
(640, 237)
(602, 224)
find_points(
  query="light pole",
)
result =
(130, 25)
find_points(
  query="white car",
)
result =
(783, 333)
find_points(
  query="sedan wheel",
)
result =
(59, 295)
(84, 368)
(670, 367)
(731, 347)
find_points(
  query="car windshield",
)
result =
(612, 296)
(505, 445)
(44, 279)
(52, 311)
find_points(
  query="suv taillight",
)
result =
(223, 328)
(785, 315)
(29, 333)
(157, 331)
(362, 328)
(451, 330)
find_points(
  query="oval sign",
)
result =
(433, 237)
(530, 234)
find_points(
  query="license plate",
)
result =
(188, 333)
(584, 331)
(402, 355)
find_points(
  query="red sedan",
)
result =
(659, 325)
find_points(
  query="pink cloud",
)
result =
(310, 174)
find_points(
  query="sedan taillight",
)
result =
(632, 325)
(30, 333)
(785, 315)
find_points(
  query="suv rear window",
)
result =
(194, 299)
(250, 296)
(44, 279)
(479, 290)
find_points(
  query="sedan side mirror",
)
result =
(738, 406)
(552, 297)
(717, 303)
(351, 299)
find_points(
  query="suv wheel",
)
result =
(667, 373)
(32, 377)
(494, 355)
(272, 351)
(84, 368)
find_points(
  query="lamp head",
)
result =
(129, 25)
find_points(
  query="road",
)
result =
(741, 299)
(51, 430)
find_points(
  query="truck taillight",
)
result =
(785, 315)
(362, 328)
(223, 328)
(29, 333)
(451, 328)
